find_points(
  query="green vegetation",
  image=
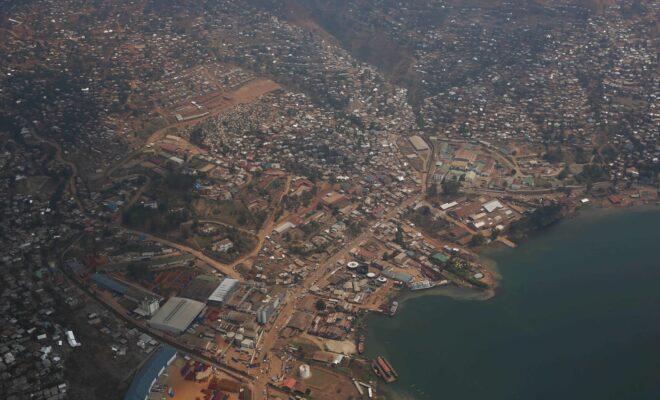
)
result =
(231, 212)
(477, 240)
(554, 155)
(538, 219)
(242, 244)
(398, 237)
(432, 191)
(464, 270)
(451, 188)
(138, 271)
(591, 173)
(159, 220)
(423, 218)
(581, 156)
(179, 182)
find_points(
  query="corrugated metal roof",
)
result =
(146, 376)
(109, 283)
(226, 287)
(177, 314)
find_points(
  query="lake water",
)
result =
(576, 316)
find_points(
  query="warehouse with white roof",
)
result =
(224, 290)
(176, 315)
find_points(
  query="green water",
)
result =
(577, 316)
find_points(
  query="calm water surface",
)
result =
(577, 316)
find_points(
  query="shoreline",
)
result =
(591, 213)
(475, 293)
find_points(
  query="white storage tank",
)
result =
(304, 371)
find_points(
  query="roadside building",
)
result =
(176, 315)
(224, 290)
(150, 371)
(418, 143)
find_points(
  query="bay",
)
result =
(576, 316)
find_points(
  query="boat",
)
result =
(361, 345)
(393, 308)
(383, 369)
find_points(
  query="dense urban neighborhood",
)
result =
(205, 199)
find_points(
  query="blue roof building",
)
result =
(150, 371)
(109, 283)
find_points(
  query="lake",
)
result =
(576, 316)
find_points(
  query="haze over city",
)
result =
(344, 199)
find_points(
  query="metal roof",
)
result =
(177, 314)
(226, 287)
(109, 283)
(150, 371)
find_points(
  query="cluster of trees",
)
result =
(538, 219)
(591, 173)
(292, 203)
(554, 155)
(310, 228)
(243, 243)
(423, 218)
(449, 188)
(179, 182)
(154, 220)
(138, 271)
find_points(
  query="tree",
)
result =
(554, 155)
(320, 305)
(591, 173)
(398, 237)
(477, 240)
(450, 188)
(432, 190)
(138, 271)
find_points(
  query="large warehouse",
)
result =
(223, 291)
(176, 315)
(149, 372)
(418, 143)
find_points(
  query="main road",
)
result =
(295, 295)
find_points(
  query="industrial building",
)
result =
(269, 307)
(224, 290)
(150, 371)
(115, 286)
(418, 143)
(176, 315)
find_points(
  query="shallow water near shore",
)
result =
(575, 317)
